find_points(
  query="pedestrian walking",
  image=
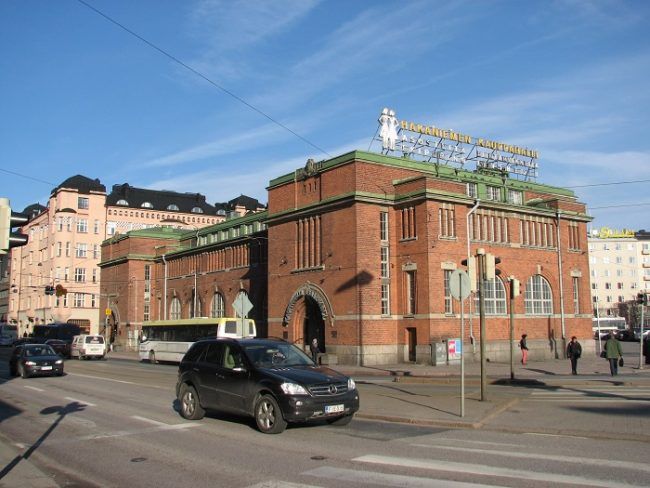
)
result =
(613, 353)
(646, 348)
(524, 349)
(313, 348)
(573, 352)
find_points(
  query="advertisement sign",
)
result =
(454, 349)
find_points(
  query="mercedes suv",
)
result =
(270, 380)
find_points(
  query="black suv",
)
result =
(269, 379)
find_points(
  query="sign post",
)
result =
(459, 287)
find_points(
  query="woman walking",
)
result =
(613, 351)
(524, 349)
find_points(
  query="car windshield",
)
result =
(276, 355)
(43, 350)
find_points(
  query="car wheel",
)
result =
(341, 421)
(268, 416)
(23, 372)
(191, 408)
(152, 357)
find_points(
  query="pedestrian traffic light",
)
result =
(490, 266)
(642, 298)
(9, 220)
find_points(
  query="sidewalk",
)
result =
(18, 471)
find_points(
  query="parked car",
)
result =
(35, 360)
(60, 347)
(626, 335)
(86, 346)
(270, 380)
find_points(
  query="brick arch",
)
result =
(318, 295)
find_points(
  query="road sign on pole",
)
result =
(459, 284)
(242, 305)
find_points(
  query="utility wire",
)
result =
(609, 184)
(618, 206)
(28, 177)
(201, 75)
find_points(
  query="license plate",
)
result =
(46, 368)
(333, 408)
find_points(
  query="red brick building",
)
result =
(360, 251)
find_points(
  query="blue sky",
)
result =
(79, 95)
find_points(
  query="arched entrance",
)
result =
(313, 326)
(308, 315)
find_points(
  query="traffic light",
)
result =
(642, 299)
(515, 287)
(490, 266)
(9, 220)
(49, 290)
(471, 271)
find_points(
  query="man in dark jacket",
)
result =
(573, 352)
(613, 351)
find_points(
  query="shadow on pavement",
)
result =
(62, 411)
(638, 411)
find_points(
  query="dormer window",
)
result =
(197, 210)
(123, 203)
(173, 207)
(146, 205)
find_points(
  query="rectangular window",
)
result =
(59, 249)
(94, 275)
(146, 313)
(449, 303)
(411, 289)
(67, 249)
(472, 190)
(515, 197)
(82, 226)
(385, 299)
(59, 224)
(93, 301)
(492, 193)
(96, 251)
(96, 227)
(383, 226)
(81, 250)
(111, 227)
(82, 203)
(79, 300)
(576, 295)
(385, 262)
(80, 275)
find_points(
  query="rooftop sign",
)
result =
(435, 145)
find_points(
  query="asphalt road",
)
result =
(113, 423)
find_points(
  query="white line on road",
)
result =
(480, 442)
(150, 421)
(118, 381)
(366, 478)
(32, 388)
(547, 457)
(280, 484)
(478, 469)
(124, 433)
(83, 402)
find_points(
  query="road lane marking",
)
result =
(481, 442)
(124, 433)
(478, 469)
(547, 457)
(118, 381)
(82, 402)
(384, 479)
(280, 484)
(33, 388)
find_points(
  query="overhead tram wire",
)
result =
(201, 75)
(609, 184)
(27, 177)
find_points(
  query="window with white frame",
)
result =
(411, 292)
(83, 203)
(538, 299)
(385, 299)
(81, 250)
(175, 309)
(492, 193)
(93, 301)
(111, 227)
(495, 297)
(449, 303)
(515, 197)
(94, 275)
(96, 227)
(383, 226)
(472, 190)
(576, 295)
(67, 249)
(96, 251)
(82, 226)
(218, 307)
(80, 275)
(79, 299)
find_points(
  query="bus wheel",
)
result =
(152, 357)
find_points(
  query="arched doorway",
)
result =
(313, 326)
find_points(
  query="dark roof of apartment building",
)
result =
(82, 184)
(126, 195)
(249, 203)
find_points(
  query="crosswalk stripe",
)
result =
(478, 469)
(384, 479)
(280, 484)
(546, 457)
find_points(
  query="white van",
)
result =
(86, 346)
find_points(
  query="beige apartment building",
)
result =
(619, 262)
(65, 239)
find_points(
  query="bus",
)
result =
(169, 340)
(8, 334)
(60, 331)
(606, 325)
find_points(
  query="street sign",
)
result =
(459, 284)
(242, 305)
(107, 312)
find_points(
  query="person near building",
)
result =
(646, 348)
(313, 347)
(573, 352)
(523, 345)
(613, 352)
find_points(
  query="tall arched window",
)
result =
(175, 309)
(495, 297)
(538, 298)
(218, 308)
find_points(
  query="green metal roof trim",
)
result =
(151, 232)
(127, 257)
(436, 170)
(228, 224)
